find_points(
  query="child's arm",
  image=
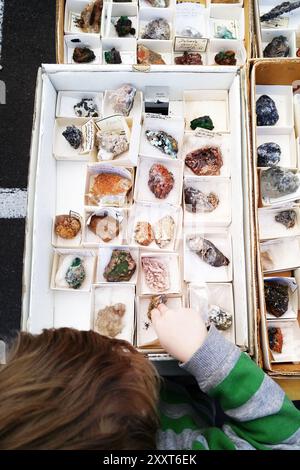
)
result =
(260, 414)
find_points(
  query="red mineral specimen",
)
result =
(189, 58)
(205, 161)
(161, 181)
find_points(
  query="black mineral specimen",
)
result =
(74, 136)
(266, 111)
(268, 154)
(279, 10)
(83, 55)
(276, 297)
(124, 26)
(204, 122)
(278, 47)
(113, 57)
(287, 218)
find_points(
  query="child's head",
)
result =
(68, 389)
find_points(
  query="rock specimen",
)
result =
(156, 274)
(157, 29)
(266, 111)
(159, 3)
(266, 260)
(105, 226)
(155, 301)
(109, 321)
(189, 58)
(121, 267)
(287, 218)
(143, 233)
(278, 47)
(190, 32)
(163, 142)
(219, 317)
(279, 10)
(67, 226)
(204, 122)
(164, 231)
(277, 181)
(110, 184)
(86, 108)
(161, 181)
(111, 145)
(113, 56)
(123, 99)
(90, 18)
(205, 161)
(298, 52)
(83, 55)
(197, 201)
(124, 27)
(225, 58)
(74, 136)
(275, 339)
(207, 251)
(268, 154)
(146, 56)
(224, 33)
(75, 275)
(276, 297)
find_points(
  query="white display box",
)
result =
(203, 296)
(285, 138)
(193, 16)
(283, 97)
(292, 311)
(202, 103)
(90, 239)
(135, 112)
(60, 242)
(62, 150)
(234, 14)
(268, 34)
(197, 270)
(126, 47)
(267, 200)
(291, 341)
(112, 12)
(152, 213)
(63, 254)
(218, 45)
(107, 295)
(149, 14)
(66, 100)
(221, 215)
(297, 113)
(75, 7)
(162, 47)
(198, 139)
(104, 257)
(91, 41)
(269, 228)
(280, 254)
(172, 263)
(142, 190)
(173, 126)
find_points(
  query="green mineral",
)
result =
(204, 122)
(75, 274)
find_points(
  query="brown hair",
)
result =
(68, 389)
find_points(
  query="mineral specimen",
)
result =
(83, 55)
(123, 99)
(157, 29)
(111, 145)
(163, 142)
(276, 297)
(161, 181)
(67, 226)
(146, 56)
(279, 10)
(275, 339)
(224, 33)
(225, 58)
(298, 52)
(287, 218)
(74, 136)
(111, 184)
(207, 251)
(124, 27)
(268, 154)
(266, 260)
(190, 32)
(278, 47)
(266, 111)
(143, 233)
(105, 226)
(277, 181)
(121, 267)
(86, 108)
(204, 122)
(109, 321)
(197, 201)
(189, 58)
(159, 3)
(155, 301)
(112, 57)
(90, 17)
(75, 275)
(219, 317)
(205, 161)
(156, 274)
(164, 231)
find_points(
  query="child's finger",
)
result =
(162, 308)
(155, 315)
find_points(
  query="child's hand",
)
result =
(180, 332)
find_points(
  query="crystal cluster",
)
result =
(276, 297)
(219, 317)
(163, 142)
(86, 108)
(157, 29)
(74, 136)
(124, 27)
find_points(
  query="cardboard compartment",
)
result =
(89, 41)
(151, 14)
(67, 100)
(280, 254)
(268, 35)
(162, 47)
(160, 273)
(192, 20)
(290, 332)
(173, 126)
(72, 241)
(227, 23)
(283, 98)
(106, 226)
(126, 48)
(269, 192)
(109, 105)
(223, 45)
(73, 9)
(63, 260)
(63, 150)
(285, 138)
(291, 309)
(110, 15)
(270, 228)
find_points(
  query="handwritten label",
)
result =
(88, 132)
(281, 22)
(183, 44)
(157, 116)
(206, 133)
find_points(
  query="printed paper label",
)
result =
(183, 44)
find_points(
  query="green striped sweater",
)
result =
(260, 416)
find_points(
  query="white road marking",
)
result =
(1, 23)
(13, 203)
